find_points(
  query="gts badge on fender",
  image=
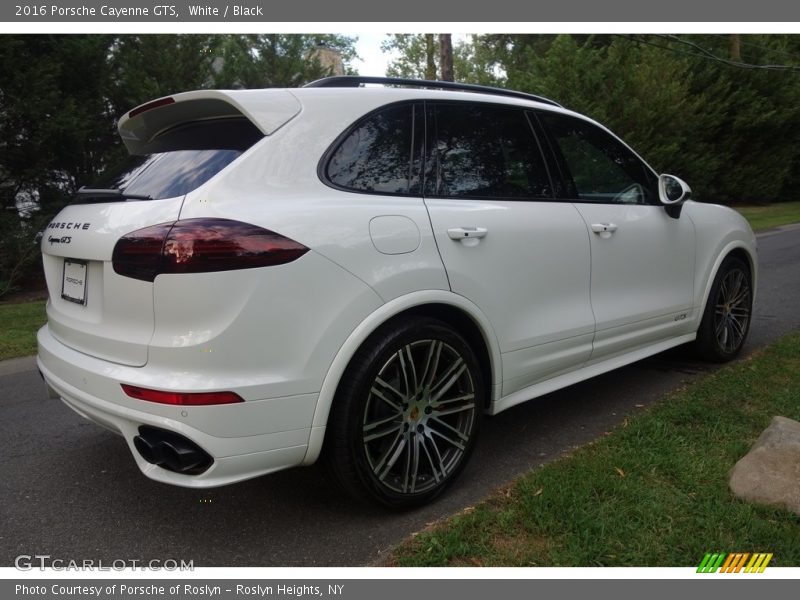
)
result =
(66, 239)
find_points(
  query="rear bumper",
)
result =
(245, 440)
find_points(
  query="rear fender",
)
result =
(368, 326)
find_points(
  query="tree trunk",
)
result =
(430, 57)
(446, 56)
(736, 47)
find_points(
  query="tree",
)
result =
(446, 56)
(54, 119)
(419, 57)
(416, 56)
(276, 60)
(727, 130)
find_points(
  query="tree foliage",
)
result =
(729, 130)
(418, 56)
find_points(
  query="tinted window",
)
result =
(599, 168)
(182, 158)
(167, 174)
(484, 151)
(381, 153)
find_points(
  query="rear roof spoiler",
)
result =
(268, 110)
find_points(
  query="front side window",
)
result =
(599, 168)
(483, 151)
(381, 154)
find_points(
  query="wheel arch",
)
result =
(740, 250)
(461, 314)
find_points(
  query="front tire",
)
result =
(728, 312)
(406, 414)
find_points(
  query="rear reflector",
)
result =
(150, 106)
(181, 398)
(201, 246)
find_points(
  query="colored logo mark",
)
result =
(736, 562)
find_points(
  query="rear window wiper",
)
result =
(86, 195)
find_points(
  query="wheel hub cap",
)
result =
(418, 417)
(732, 310)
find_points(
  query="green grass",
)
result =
(652, 493)
(18, 326)
(772, 215)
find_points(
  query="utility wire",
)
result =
(791, 55)
(733, 63)
(706, 54)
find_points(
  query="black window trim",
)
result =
(521, 108)
(327, 156)
(556, 157)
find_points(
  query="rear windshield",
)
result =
(167, 174)
(187, 157)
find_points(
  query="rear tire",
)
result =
(405, 417)
(728, 312)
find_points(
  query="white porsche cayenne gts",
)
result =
(358, 273)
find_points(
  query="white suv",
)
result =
(358, 273)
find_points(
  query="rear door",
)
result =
(642, 258)
(507, 244)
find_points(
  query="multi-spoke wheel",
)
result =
(726, 319)
(407, 413)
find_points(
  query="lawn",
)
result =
(18, 326)
(772, 215)
(652, 493)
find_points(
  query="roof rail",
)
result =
(357, 80)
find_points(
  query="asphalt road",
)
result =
(70, 489)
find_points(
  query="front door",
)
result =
(642, 258)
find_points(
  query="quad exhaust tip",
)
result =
(171, 451)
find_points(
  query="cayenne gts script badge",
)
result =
(62, 240)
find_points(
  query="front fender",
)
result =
(720, 231)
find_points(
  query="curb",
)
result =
(778, 229)
(17, 365)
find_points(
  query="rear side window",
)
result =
(483, 151)
(186, 157)
(599, 167)
(381, 154)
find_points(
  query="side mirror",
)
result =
(672, 190)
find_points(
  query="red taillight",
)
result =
(150, 105)
(181, 398)
(201, 246)
(138, 254)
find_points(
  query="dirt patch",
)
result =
(519, 548)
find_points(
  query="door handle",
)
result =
(460, 233)
(468, 236)
(604, 229)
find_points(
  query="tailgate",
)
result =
(115, 320)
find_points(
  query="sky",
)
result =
(373, 61)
